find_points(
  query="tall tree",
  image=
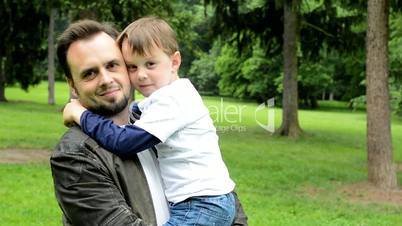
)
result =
(290, 123)
(2, 80)
(51, 55)
(20, 45)
(381, 170)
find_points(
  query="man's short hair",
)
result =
(147, 33)
(80, 30)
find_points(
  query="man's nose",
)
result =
(105, 76)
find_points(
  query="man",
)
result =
(93, 186)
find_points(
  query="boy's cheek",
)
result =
(132, 81)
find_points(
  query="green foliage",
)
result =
(314, 78)
(333, 25)
(202, 72)
(395, 46)
(331, 48)
(349, 76)
(264, 22)
(21, 41)
(248, 76)
(253, 75)
(228, 66)
(358, 102)
(190, 25)
(395, 58)
(322, 22)
(395, 96)
(261, 72)
(120, 12)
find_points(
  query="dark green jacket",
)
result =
(95, 187)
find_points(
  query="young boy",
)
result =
(172, 117)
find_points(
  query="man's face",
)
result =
(99, 74)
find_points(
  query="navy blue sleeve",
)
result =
(136, 109)
(122, 141)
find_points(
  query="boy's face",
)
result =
(149, 73)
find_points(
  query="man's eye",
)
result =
(89, 75)
(112, 66)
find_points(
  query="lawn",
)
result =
(280, 181)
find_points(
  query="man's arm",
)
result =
(86, 192)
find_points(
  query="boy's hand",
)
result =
(72, 113)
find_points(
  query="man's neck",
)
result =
(121, 118)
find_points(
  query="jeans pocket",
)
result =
(216, 210)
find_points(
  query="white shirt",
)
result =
(189, 156)
(152, 173)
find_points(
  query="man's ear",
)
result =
(176, 61)
(74, 93)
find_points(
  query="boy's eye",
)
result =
(151, 64)
(131, 68)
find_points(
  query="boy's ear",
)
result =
(176, 61)
(74, 93)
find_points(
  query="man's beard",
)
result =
(110, 110)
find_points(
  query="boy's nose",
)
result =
(142, 75)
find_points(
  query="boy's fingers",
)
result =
(69, 124)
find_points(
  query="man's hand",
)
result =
(72, 113)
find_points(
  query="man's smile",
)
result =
(109, 92)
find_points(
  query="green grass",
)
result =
(274, 175)
(28, 121)
(27, 196)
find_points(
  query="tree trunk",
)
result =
(331, 96)
(50, 58)
(2, 82)
(290, 122)
(313, 102)
(381, 171)
(2, 88)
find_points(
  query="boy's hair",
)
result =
(147, 33)
(80, 30)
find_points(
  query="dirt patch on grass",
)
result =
(366, 193)
(23, 156)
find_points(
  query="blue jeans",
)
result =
(203, 211)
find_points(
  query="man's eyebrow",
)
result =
(115, 61)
